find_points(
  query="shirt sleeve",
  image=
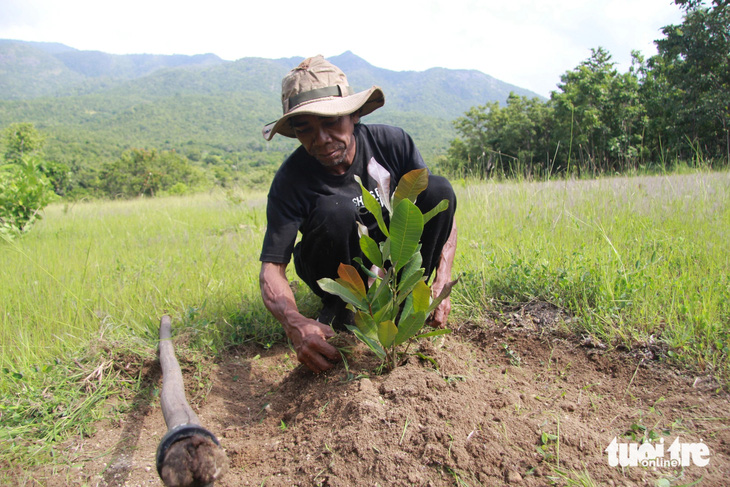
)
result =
(283, 219)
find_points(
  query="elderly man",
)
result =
(315, 192)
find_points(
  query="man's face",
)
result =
(330, 140)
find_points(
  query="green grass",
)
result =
(634, 260)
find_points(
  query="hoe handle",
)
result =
(186, 464)
(175, 407)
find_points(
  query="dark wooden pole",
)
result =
(188, 455)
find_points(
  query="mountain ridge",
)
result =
(93, 105)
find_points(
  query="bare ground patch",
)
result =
(514, 404)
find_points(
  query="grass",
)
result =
(639, 260)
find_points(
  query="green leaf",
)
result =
(410, 186)
(421, 296)
(333, 287)
(385, 311)
(405, 286)
(410, 326)
(443, 295)
(371, 343)
(406, 229)
(386, 333)
(442, 206)
(371, 250)
(372, 205)
(434, 333)
(366, 324)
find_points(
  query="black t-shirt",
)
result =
(301, 179)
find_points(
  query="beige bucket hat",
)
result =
(318, 87)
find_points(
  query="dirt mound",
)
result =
(486, 405)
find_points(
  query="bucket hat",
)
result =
(318, 87)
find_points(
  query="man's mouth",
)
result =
(332, 154)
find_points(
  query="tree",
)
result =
(21, 139)
(24, 189)
(514, 139)
(599, 115)
(142, 172)
(692, 81)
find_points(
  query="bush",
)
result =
(24, 192)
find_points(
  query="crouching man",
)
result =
(315, 192)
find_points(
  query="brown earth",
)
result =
(505, 402)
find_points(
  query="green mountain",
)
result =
(92, 106)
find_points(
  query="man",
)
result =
(315, 192)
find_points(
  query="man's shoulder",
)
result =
(382, 131)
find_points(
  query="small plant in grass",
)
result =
(392, 309)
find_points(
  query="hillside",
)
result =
(92, 106)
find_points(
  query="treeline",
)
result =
(674, 106)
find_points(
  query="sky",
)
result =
(528, 43)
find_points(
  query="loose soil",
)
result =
(514, 403)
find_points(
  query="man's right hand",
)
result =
(310, 342)
(308, 336)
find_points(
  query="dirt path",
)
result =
(492, 405)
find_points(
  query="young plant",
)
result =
(393, 308)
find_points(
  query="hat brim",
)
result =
(332, 106)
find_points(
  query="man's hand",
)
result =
(310, 342)
(308, 336)
(440, 315)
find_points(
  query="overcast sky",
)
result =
(528, 43)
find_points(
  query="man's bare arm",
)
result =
(308, 336)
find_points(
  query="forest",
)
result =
(672, 107)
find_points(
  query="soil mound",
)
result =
(486, 405)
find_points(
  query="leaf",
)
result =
(443, 295)
(410, 326)
(386, 333)
(442, 206)
(361, 230)
(410, 186)
(413, 265)
(350, 278)
(372, 205)
(366, 324)
(434, 333)
(382, 179)
(385, 310)
(421, 296)
(406, 285)
(406, 229)
(371, 343)
(333, 287)
(371, 250)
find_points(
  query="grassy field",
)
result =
(634, 260)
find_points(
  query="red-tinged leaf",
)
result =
(411, 185)
(350, 278)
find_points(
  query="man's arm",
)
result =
(308, 336)
(440, 315)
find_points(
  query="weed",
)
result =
(514, 357)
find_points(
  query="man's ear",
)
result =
(355, 117)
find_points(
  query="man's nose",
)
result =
(322, 136)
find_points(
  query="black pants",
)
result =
(330, 237)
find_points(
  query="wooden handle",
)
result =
(175, 407)
(188, 455)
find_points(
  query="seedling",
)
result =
(393, 308)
